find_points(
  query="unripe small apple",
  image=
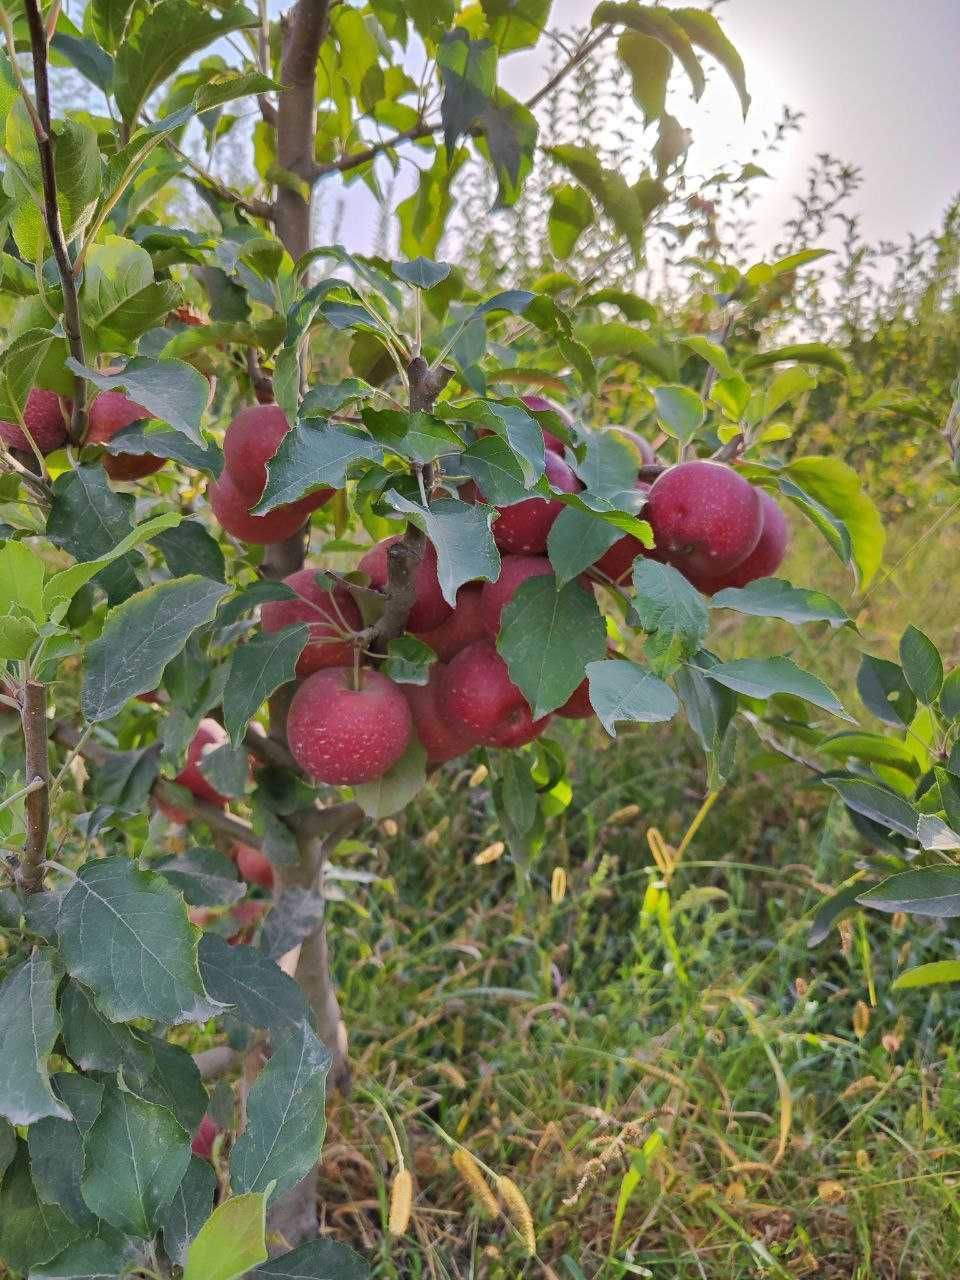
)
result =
(763, 561)
(327, 613)
(255, 867)
(43, 416)
(344, 736)
(705, 517)
(232, 510)
(429, 607)
(478, 690)
(464, 625)
(203, 1139)
(110, 412)
(495, 596)
(438, 730)
(523, 528)
(251, 440)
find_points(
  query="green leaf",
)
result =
(732, 394)
(313, 455)
(87, 57)
(315, 1260)
(927, 975)
(950, 695)
(20, 362)
(873, 748)
(496, 469)
(257, 669)
(508, 140)
(669, 608)
(96, 1044)
(189, 1209)
(706, 33)
(884, 690)
(88, 519)
(205, 877)
(417, 436)
(232, 1240)
(649, 62)
(933, 833)
(294, 915)
(515, 24)
(158, 40)
(629, 207)
(712, 353)
(21, 580)
(923, 891)
(570, 214)
(614, 338)
(31, 1232)
(680, 410)
(514, 424)
(817, 353)
(577, 540)
(422, 273)
(774, 598)
(710, 709)
(622, 690)
(408, 660)
(119, 298)
(135, 1157)
(170, 390)
(547, 637)
(56, 1147)
(285, 1117)
(787, 386)
(85, 1260)
(62, 587)
(18, 635)
(394, 790)
(108, 20)
(327, 397)
(884, 807)
(460, 532)
(922, 665)
(31, 1024)
(77, 169)
(765, 677)
(139, 639)
(837, 486)
(261, 994)
(189, 548)
(468, 69)
(164, 442)
(124, 934)
(660, 25)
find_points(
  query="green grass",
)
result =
(678, 1092)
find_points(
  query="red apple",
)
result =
(523, 528)
(208, 737)
(343, 736)
(478, 690)
(617, 561)
(429, 608)
(254, 866)
(763, 561)
(251, 440)
(440, 733)
(495, 596)
(705, 517)
(577, 706)
(464, 625)
(329, 614)
(43, 416)
(204, 1137)
(110, 412)
(232, 509)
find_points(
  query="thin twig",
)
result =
(68, 283)
(33, 718)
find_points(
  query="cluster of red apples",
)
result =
(349, 723)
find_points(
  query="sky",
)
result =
(878, 83)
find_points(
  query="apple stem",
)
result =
(357, 681)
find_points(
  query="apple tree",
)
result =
(287, 528)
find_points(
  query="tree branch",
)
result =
(68, 283)
(33, 718)
(354, 159)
